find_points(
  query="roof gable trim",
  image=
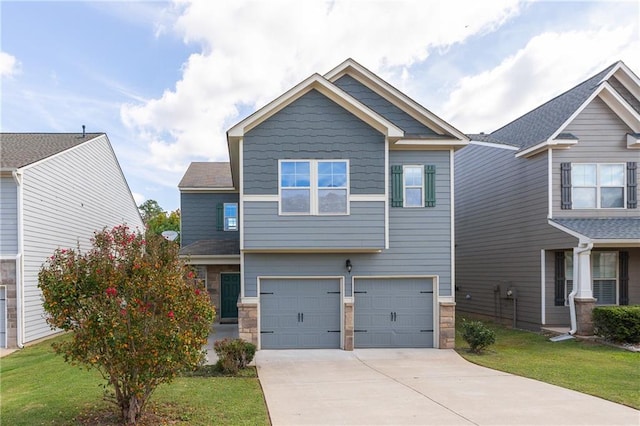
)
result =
(329, 90)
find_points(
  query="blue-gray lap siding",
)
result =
(362, 93)
(313, 127)
(8, 216)
(198, 216)
(419, 241)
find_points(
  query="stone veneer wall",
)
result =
(447, 325)
(348, 326)
(584, 316)
(213, 283)
(248, 322)
(8, 279)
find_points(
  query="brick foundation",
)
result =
(447, 338)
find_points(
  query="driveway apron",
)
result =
(417, 387)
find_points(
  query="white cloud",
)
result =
(550, 64)
(139, 198)
(253, 51)
(9, 65)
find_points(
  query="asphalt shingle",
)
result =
(604, 228)
(207, 175)
(21, 149)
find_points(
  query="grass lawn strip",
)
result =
(38, 387)
(585, 366)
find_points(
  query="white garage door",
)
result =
(393, 313)
(300, 313)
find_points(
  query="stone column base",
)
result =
(584, 318)
(447, 330)
(248, 322)
(348, 326)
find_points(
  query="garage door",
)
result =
(300, 313)
(393, 313)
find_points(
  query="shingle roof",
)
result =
(539, 124)
(604, 228)
(211, 248)
(21, 149)
(483, 137)
(207, 175)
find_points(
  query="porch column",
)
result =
(583, 300)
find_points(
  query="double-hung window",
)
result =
(598, 186)
(314, 187)
(604, 276)
(230, 216)
(413, 186)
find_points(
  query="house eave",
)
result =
(207, 190)
(543, 146)
(314, 250)
(428, 144)
(232, 259)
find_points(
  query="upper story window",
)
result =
(598, 186)
(317, 187)
(230, 216)
(413, 186)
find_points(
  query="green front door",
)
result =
(230, 290)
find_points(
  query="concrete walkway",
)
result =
(219, 332)
(416, 387)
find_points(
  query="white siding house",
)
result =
(57, 190)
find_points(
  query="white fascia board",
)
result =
(331, 91)
(633, 141)
(232, 259)
(428, 144)
(314, 250)
(625, 76)
(494, 145)
(208, 190)
(543, 146)
(394, 96)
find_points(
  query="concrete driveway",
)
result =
(416, 387)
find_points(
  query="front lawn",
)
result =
(586, 366)
(38, 387)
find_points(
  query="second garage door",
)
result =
(300, 313)
(393, 313)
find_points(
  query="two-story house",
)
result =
(336, 209)
(547, 216)
(56, 190)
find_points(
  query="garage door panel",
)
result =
(300, 313)
(393, 313)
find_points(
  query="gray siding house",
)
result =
(547, 218)
(335, 213)
(56, 189)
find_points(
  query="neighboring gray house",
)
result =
(547, 207)
(56, 189)
(336, 209)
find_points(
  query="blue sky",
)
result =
(166, 80)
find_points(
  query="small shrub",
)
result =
(477, 335)
(233, 354)
(618, 323)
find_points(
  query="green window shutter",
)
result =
(632, 185)
(565, 186)
(220, 217)
(396, 186)
(429, 186)
(560, 279)
(624, 277)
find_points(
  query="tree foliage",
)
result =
(150, 209)
(157, 220)
(135, 311)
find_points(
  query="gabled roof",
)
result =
(207, 175)
(21, 149)
(544, 125)
(602, 228)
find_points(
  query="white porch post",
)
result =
(582, 272)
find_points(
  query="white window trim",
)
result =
(404, 187)
(598, 186)
(225, 228)
(313, 187)
(569, 255)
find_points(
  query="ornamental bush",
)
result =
(477, 335)
(233, 354)
(617, 323)
(135, 311)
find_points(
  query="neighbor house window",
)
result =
(598, 186)
(230, 216)
(604, 276)
(317, 187)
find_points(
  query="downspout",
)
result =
(17, 177)
(576, 283)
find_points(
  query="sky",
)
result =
(166, 80)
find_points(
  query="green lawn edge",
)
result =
(586, 366)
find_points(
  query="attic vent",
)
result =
(83, 131)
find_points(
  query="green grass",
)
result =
(38, 388)
(586, 366)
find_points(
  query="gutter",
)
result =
(576, 284)
(17, 177)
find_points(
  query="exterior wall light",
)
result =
(349, 265)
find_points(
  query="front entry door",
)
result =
(230, 290)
